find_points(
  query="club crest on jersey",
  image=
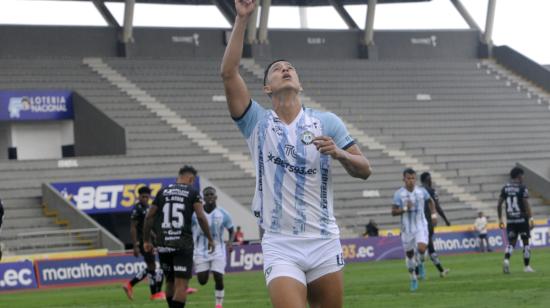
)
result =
(307, 137)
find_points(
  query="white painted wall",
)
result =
(41, 140)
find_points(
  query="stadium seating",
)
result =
(452, 116)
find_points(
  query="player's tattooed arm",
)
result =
(148, 226)
(133, 235)
(396, 210)
(433, 212)
(231, 232)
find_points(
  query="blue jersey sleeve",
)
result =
(250, 118)
(397, 199)
(335, 128)
(227, 222)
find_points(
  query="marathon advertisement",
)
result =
(52, 273)
(96, 197)
(36, 105)
(17, 276)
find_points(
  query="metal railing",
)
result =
(76, 238)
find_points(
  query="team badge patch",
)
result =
(307, 137)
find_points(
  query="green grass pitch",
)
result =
(476, 280)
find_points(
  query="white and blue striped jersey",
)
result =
(293, 180)
(218, 220)
(413, 219)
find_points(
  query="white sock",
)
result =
(219, 296)
(411, 265)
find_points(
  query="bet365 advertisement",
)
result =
(95, 197)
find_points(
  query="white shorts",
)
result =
(300, 258)
(410, 240)
(216, 264)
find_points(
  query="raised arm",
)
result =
(236, 91)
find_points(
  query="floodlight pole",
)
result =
(252, 28)
(264, 17)
(337, 5)
(127, 33)
(488, 37)
(466, 15)
(303, 17)
(369, 23)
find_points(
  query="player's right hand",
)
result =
(245, 7)
(147, 246)
(501, 224)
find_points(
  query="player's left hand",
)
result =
(211, 246)
(229, 246)
(531, 224)
(325, 145)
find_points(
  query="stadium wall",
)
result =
(523, 66)
(56, 41)
(94, 132)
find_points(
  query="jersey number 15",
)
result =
(173, 216)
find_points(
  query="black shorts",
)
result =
(149, 257)
(177, 264)
(518, 229)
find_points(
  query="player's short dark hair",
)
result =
(424, 176)
(268, 67)
(516, 172)
(209, 188)
(144, 190)
(187, 169)
(408, 171)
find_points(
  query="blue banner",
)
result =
(17, 276)
(36, 105)
(95, 197)
(87, 270)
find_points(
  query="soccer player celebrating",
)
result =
(171, 215)
(519, 219)
(426, 180)
(292, 148)
(408, 202)
(218, 220)
(136, 232)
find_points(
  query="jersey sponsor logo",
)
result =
(290, 167)
(290, 151)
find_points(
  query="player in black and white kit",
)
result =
(170, 215)
(426, 179)
(1, 220)
(154, 275)
(519, 218)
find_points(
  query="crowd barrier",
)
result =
(48, 273)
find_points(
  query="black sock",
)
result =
(176, 304)
(439, 267)
(138, 277)
(507, 256)
(152, 282)
(416, 270)
(169, 301)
